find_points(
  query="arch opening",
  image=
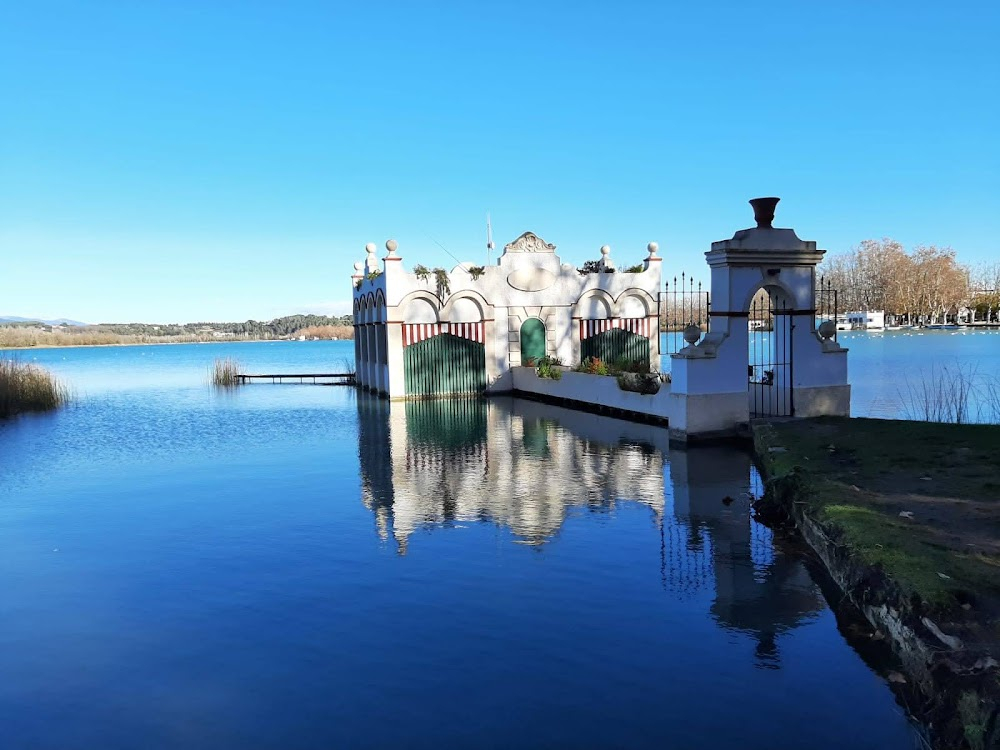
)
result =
(770, 322)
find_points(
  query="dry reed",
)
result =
(326, 332)
(953, 394)
(227, 372)
(347, 365)
(27, 387)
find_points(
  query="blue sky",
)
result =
(181, 161)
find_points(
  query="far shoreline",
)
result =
(161, 343)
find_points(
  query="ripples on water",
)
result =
(297, 566)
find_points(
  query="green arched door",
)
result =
(532, 340)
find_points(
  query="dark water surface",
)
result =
(302, 567)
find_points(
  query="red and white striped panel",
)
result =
(414, 333)
(639, 326)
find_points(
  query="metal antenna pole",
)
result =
(489, 238)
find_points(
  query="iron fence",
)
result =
(827, 304)
(682, 303)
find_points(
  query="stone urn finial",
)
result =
(691, 334)
(763, 211)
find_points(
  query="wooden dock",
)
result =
(317, 378)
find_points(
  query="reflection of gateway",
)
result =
(523, 465)
(758, 589)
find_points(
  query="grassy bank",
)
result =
(26, 387)
(907, 516)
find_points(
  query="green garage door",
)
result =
(444, 364)
(532, 340)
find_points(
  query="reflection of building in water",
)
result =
(525, 465)
(758, 588)
(519, 464)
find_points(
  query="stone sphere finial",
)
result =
(653, 248)
(692, 333)
(359, 266)
(763, 211)
(605, 250)
(391, 246)
(370, 248)
(827, 329)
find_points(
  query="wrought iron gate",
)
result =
(770, 324)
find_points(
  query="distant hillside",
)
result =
(255, 329)
(21, 332)
(56, 322)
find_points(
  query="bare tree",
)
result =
(925, 285)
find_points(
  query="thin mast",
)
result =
(489, 238)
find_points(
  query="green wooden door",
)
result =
(444, 364)
(532, 340)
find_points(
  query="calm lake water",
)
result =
(291, 566)
(884, 367)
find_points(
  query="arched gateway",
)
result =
(763, 358)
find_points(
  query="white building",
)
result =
(480, 330)
(425, 333)
(866, 320)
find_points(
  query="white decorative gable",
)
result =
(529, 242)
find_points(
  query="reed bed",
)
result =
(26, 387)
(22, 338)
(227, 372)
(326, 332)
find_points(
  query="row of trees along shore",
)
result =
(35, 333)
(924, 285)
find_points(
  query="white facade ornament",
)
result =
(653, 248)
(371, 262)
(606, 263)
(391, 246)
(529, 242)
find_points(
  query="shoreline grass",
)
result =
(906, 516)
(917, 498)
(25, 387)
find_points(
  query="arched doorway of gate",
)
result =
(532, 341)
(770, 322)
